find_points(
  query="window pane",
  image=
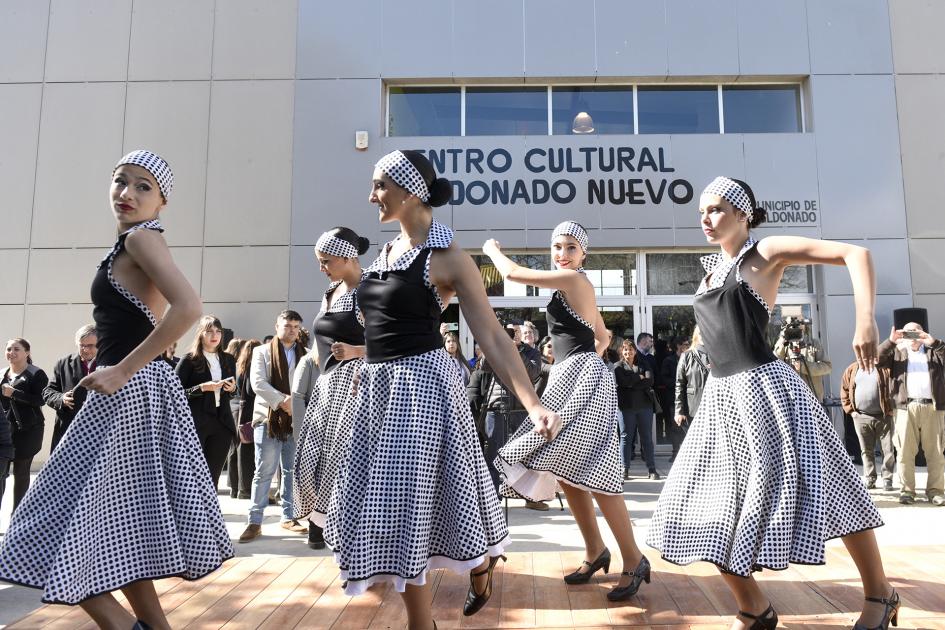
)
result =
(428, 111)
(610, 109)
(673, 274)
(797, 279)
(612, 274)
(760, 109)
(678, 109)
(506, 111)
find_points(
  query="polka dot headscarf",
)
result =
(732, 192)
(404, 174)
(333, 246)
(571, 228)
(154, 164)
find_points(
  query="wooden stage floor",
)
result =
(283, 593)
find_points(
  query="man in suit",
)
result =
(271, 373)
(62, 394)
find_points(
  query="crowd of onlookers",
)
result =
(245, 393)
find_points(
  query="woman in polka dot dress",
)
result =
(415, 493)
(126, 497)
(339, 346)
(762, 479)
(585, 456)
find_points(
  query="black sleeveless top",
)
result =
(122, 321)
(569, 333)
(732, 318)
(401, 309)
(337, 323)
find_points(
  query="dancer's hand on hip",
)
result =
(106, 380)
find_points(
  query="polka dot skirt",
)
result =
(761, 480)
(125, 496)
(585, 452)
(323, 442)
(414, 493)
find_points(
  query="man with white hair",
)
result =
(62, 393)
(917, 362)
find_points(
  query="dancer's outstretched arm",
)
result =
(781, 252)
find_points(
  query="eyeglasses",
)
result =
(88, 346)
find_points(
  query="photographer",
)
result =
(503, 411)
(798, 349)
(63, 392)
(916, 361)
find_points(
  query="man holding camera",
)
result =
(916, 361)
(798, 349)
(63, 393)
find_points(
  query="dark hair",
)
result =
(196, 353)
(289, 315)
(26, 346)
(348, 235)
(758, 214)
(643, 336)
(440, 188)
(245, 359)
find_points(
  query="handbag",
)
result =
(246, 433)
(657, 407)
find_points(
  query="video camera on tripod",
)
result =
(792, 331)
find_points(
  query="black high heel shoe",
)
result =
(475, 601)
(768, 620)
(638, 576)
(890, 615)
(602, 562)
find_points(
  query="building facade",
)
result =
(614, 113)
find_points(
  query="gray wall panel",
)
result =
(921, 101)
(343, 42)
(917, 42)
(631, 38)
(891, 261)
(485, 45)
(703, 37)
(559, 38)
(858, 157)
(849, 36)
(772, 38)
(415, 39)
(330, 178)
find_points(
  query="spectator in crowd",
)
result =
(452, 347)
(246, 397)
(530, 335)
(916, 361)
(170, 355)
(208, 377)
(232, 459)
(6, 450)
(612, 353)
(667, 395)
(63, 393)
(504, 412)
(635, 400)
(807, 358)
(273, 367)
(644, 352)
(477, 354)
(21, 396)
(691, 375)
(547, 360)
(865, 395)
(233, 348)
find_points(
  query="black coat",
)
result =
(633, 387)
(192, 372)
(66, 376)
(6, 440)
(244, 389)
(691, 374)
(25, 410)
